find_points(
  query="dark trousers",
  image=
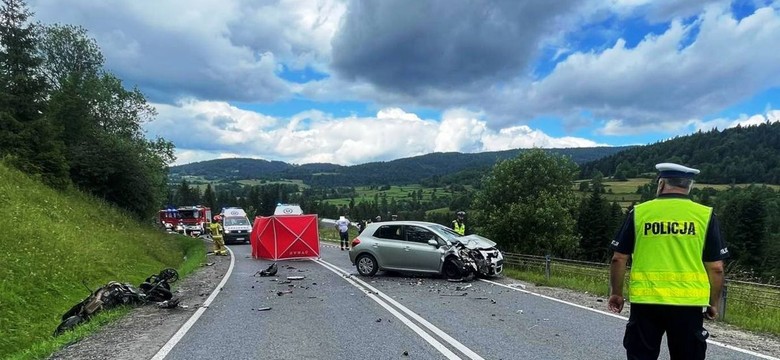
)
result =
(683, 326)
(344, 239)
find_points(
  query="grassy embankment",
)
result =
(52, 241)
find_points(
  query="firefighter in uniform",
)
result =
(216, 235)
(676, 277)
(459, 224)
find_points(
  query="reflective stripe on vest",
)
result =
(667, 265)
(459, 228)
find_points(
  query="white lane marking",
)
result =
(716, 343)
(186, 327)
(427, 337)
(554, 299)
(449, 339)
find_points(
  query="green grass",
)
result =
(52, 242)
(598, 285)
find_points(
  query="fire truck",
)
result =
(186, 220)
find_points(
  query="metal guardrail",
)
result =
(734, 291)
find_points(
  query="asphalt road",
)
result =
(334, 314)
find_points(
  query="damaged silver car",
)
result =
(417, 246)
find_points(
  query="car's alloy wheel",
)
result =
(366, 265)
(452, 268)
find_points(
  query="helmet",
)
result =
(461, 213)
(378, 218)
(217, 218)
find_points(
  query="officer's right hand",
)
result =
(615, 303)
(711, 313)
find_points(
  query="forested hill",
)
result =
(401, 171)
(737, 155)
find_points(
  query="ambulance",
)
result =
(236, 226)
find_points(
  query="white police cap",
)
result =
(671, 170)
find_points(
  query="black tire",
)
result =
(158, 294)
(68, 324)
(452, 268)
(366, 265)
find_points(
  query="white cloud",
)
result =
(428, 54)
(208, 129)
(743, 120)
(617, 127)
(226, 50)
(657, 81)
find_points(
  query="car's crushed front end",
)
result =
(478, 255)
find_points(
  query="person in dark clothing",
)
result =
(677, 255)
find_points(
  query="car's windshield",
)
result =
(448, 233)
(232, 221)
(189, 214)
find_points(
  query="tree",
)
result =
(595, 226)
(29, 137)
(209, 198)
(68, 53)
(526, 204)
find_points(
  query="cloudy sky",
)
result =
(350, 82)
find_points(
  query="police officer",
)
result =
(677, 256)
(459, 224)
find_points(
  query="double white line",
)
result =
(385, 301)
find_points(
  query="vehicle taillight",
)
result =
(355, 242)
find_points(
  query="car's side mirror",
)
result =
(433, 242)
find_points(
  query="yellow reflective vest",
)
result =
(459, 228)
(667, 265)
(216, 230)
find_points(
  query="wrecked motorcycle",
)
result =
(156, 288)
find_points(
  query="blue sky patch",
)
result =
(302, 76)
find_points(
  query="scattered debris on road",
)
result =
(264, 309)
(461, 294)
(296, 277)
(270, 271)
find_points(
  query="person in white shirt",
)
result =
(342, 225)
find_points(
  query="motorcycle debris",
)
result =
(463, 294)
(280, 293)
(461, 288)
(207, 264)
(284, 282)
(295, 277)
(264, 309)
(517, 286)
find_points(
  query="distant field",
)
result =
(364, 193)
(255, 182)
